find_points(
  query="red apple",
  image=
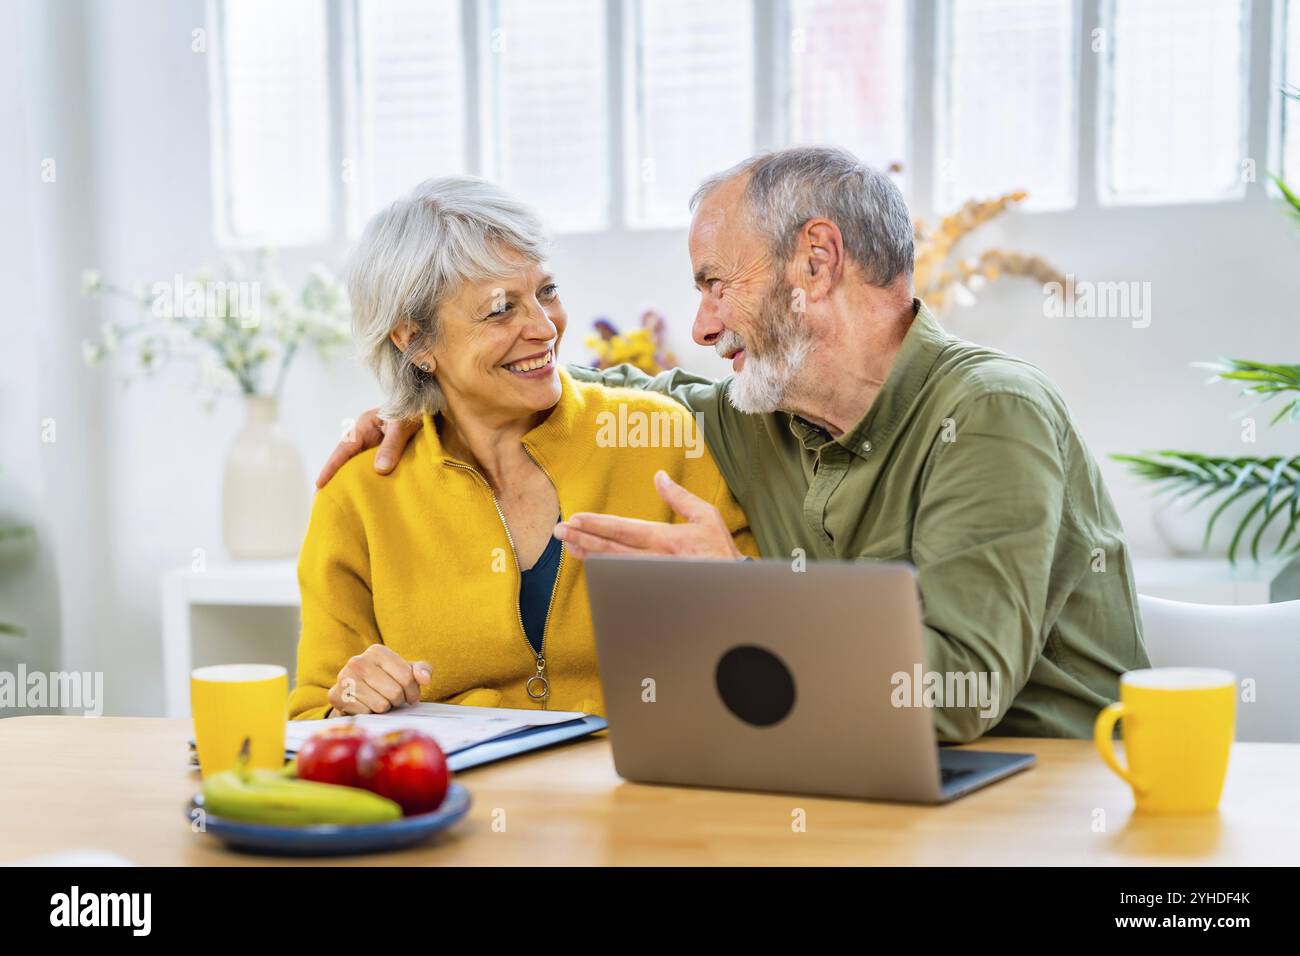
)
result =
(405, 766)
(331, 756)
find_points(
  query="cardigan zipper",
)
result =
(555, 587)
(538, 687)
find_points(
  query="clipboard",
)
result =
(499, 748)
(523, 741)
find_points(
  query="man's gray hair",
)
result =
(788, 187)
(415, 254)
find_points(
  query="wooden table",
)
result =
(121, 785)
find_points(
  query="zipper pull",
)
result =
(538, 687)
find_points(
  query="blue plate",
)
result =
(328, 840)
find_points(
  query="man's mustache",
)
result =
(728, 343)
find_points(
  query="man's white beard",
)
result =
(763, 383)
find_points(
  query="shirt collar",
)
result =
(924, 341)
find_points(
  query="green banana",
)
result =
(268, 796)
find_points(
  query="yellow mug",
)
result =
(1178, 728)
(230, 702)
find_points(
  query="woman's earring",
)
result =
(424, 366)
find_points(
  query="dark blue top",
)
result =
(535, 587)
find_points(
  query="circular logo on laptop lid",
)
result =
(755, 685)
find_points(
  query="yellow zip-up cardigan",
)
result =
(420, 560)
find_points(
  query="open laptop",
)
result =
(751, 675)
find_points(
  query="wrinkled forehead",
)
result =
(720, 223)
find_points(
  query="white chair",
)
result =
(1256, 641)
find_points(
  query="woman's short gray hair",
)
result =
(788, 187)
(415, 254)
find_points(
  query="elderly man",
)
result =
(855, 427)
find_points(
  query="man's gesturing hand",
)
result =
(376, 681)
(369, 431)
(704, 535)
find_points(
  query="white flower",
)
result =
(214, 376)
(210, 328)
(234, 347)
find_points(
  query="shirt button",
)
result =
(866, 446)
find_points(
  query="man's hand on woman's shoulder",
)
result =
(371, 430)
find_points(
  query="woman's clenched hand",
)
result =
(377, 680)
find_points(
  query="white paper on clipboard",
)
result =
(453, 726)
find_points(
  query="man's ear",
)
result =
(824, 251)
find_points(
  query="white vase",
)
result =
(264, 493)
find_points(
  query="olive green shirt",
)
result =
(968, 467)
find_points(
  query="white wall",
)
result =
(49, 416)
(28, 594)
(1225, 281)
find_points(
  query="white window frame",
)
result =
(778, 102)
(628, 128)
(1106, 197)
(942, 92)
(1278, 102)
(348, 112)
(925, 30)
(482, 65)
(219, 176)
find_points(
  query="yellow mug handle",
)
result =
(1103, 735)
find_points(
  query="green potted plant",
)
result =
(16, 543)
(1260, 494)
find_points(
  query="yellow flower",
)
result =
(935, 282)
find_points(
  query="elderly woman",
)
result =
(444, 582)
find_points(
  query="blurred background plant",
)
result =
(1273, 481)
(1268, 486)
(242, 327)
(942, 281)
(17, 540)
(645, 347)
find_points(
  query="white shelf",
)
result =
(1205, 580)
(257, 584)
(245, 583)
